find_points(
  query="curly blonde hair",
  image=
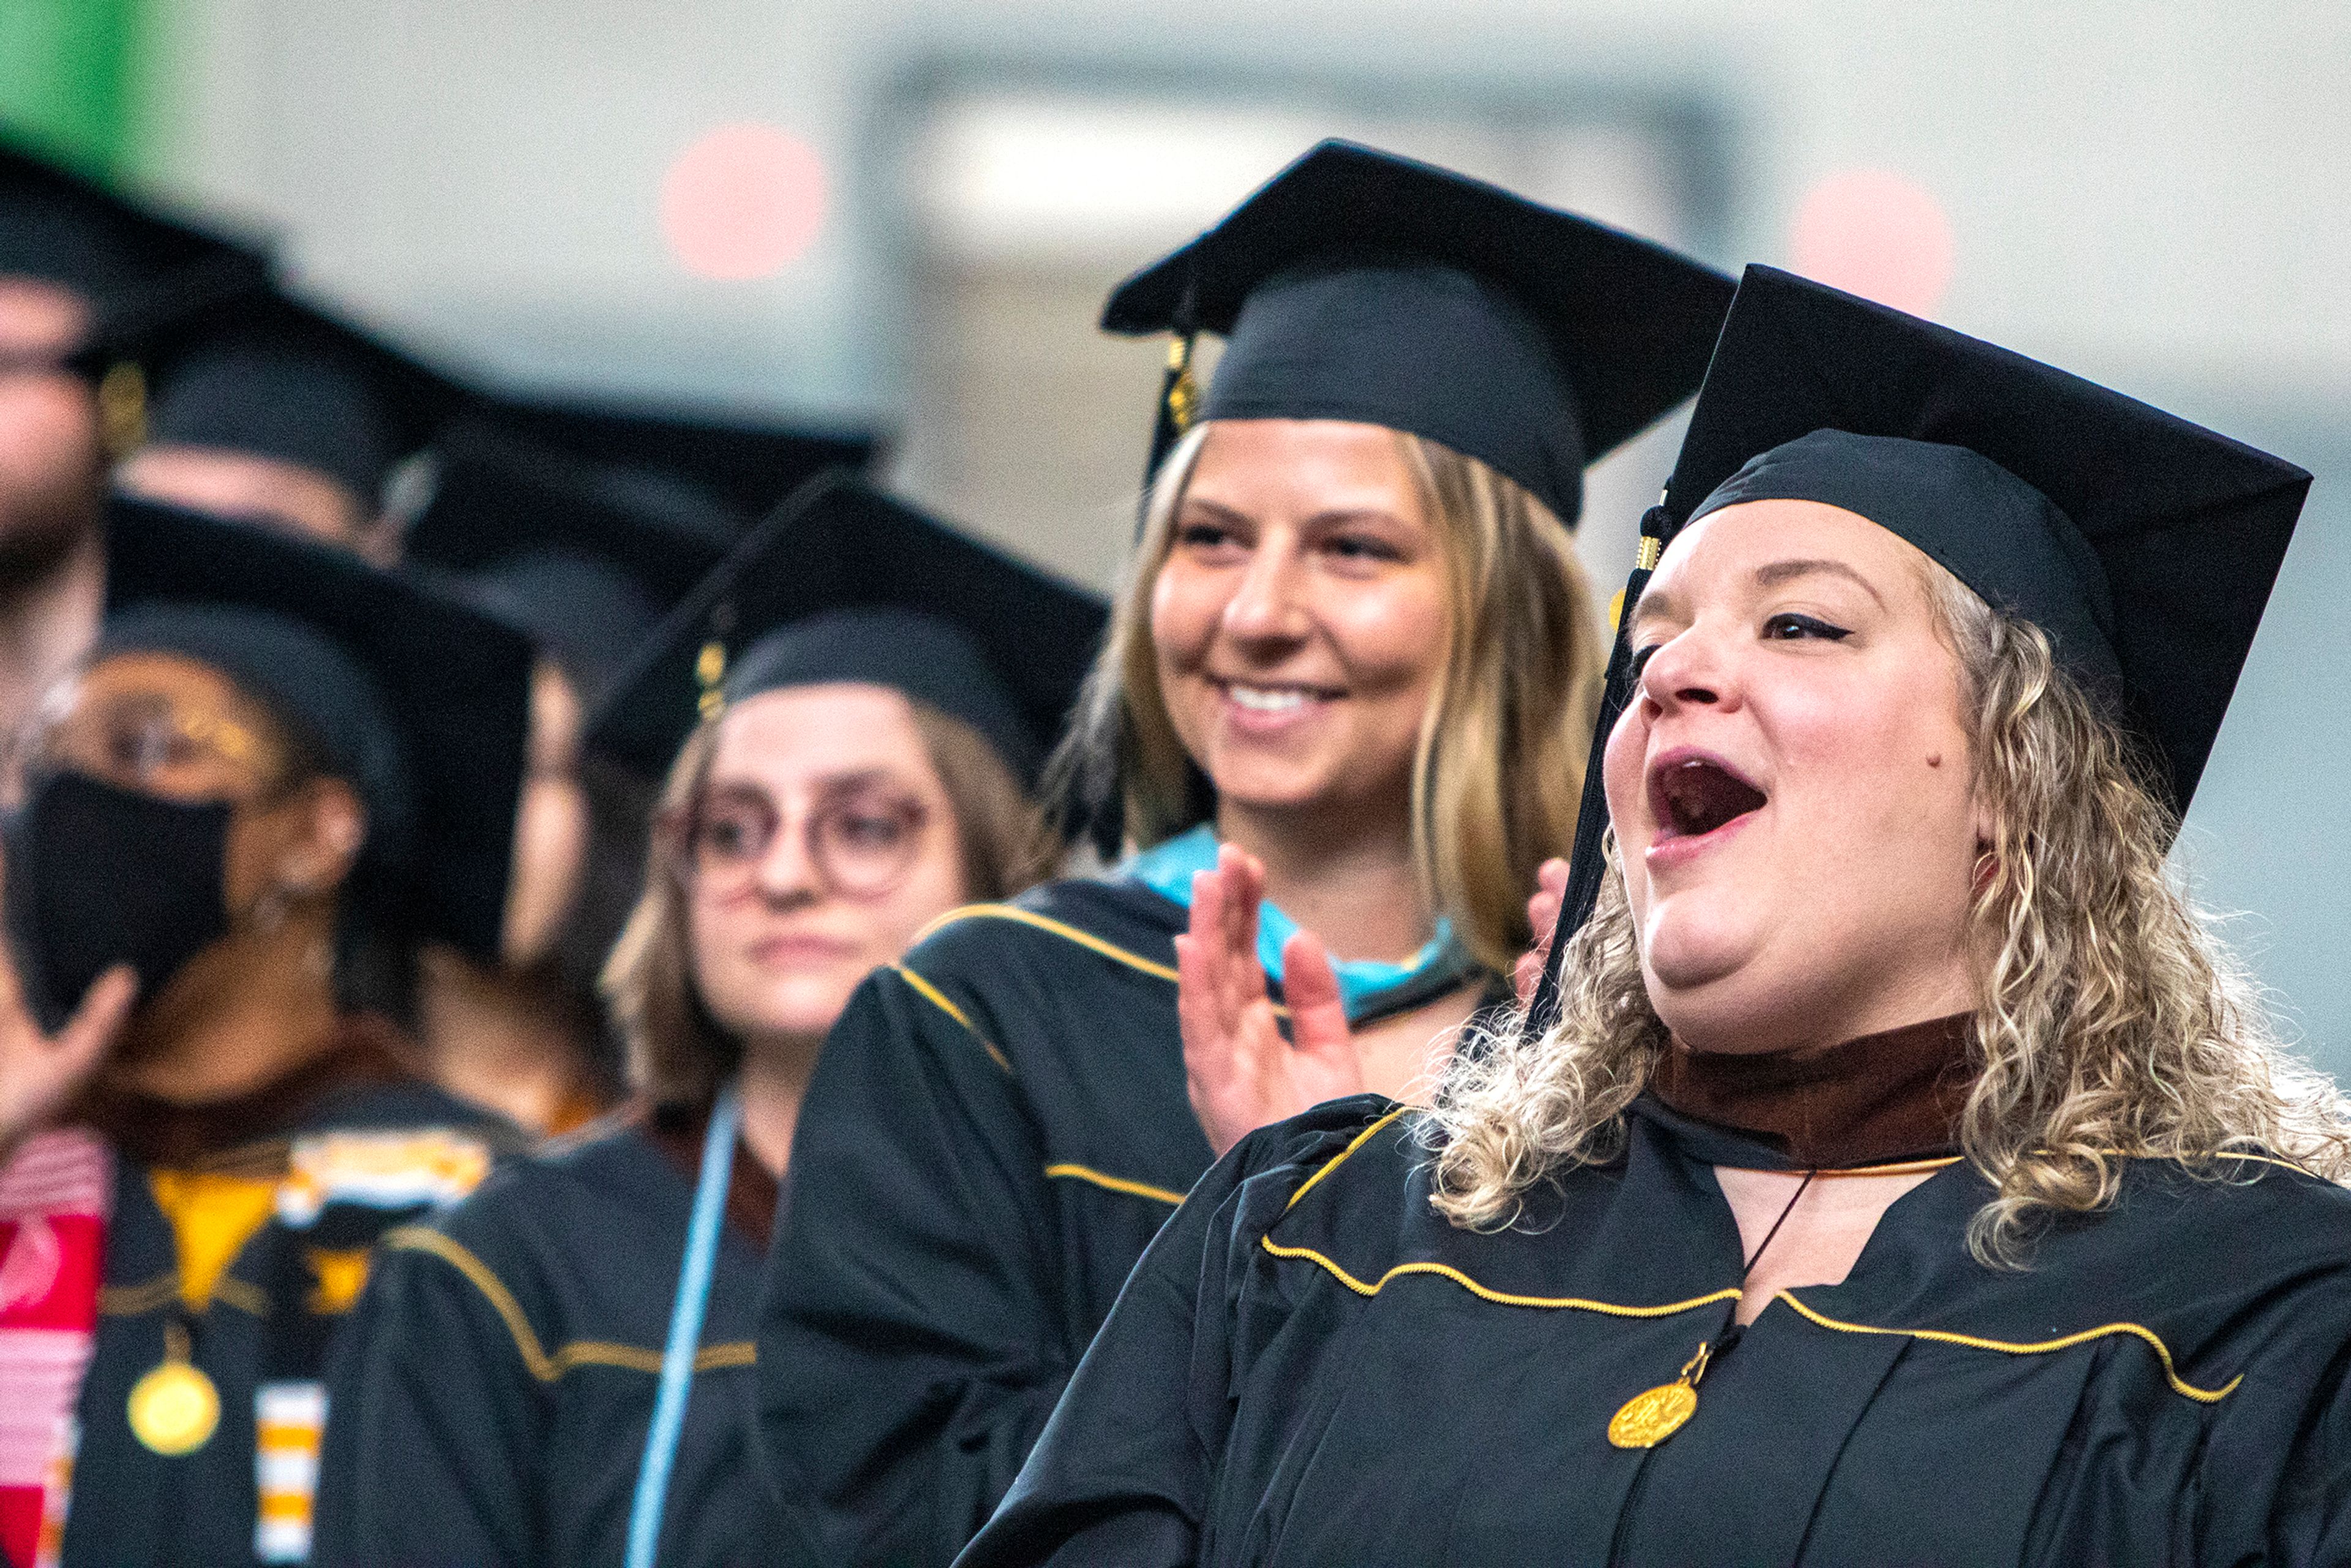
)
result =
(1499, 767)
(2109, 1024)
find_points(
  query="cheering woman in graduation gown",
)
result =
(559, 1372)
(1357, 646)
(1896, 1173)
(281, 767)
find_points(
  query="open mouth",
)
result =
(1693, 796)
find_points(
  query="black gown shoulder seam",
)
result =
(2033, 1347)
(1368, 1288)
(1046, 922)
(939, 1000)
(542, 1365)
(1068, 1170)
(1344, 1156)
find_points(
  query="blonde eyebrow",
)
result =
(1654, 600)
(1330, 518)
(1779, 571)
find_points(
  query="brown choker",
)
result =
(1881, 1097)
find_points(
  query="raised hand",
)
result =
(1241, 1073)
(40, 1072)
(1543, 917)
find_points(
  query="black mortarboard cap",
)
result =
(421, 703)
(746, 464)
(845, 584)
(111, 248)
(1360, 285)
(2144, 544)
(561, 548)
(278, 377)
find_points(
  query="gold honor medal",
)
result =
(174, 1409)
(1654, 1415)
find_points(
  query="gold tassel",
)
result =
(709, 669)
(1183, 392)
(122, 410)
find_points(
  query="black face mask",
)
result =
(99, 876)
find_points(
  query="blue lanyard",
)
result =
(684, 1328)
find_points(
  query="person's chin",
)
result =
(1689, 952)
(802, 1012)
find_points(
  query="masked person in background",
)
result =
(576, 559)
(279, 768)
(559, 1371)
(1355, 665)
(75, 259)
(1895, 1174)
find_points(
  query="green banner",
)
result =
(71, 78)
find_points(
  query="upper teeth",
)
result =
(1260, 700)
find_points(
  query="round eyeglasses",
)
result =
(860, 834)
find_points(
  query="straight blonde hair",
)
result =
(1498, 770)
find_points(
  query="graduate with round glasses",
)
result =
(1892, 1171)
(853, 710)
(1355, 662)
(278, 771)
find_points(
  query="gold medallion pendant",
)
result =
(1654, 1415)
(174, 1409)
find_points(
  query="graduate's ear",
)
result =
(324, 829)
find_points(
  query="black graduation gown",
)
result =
(996, 1131)
(1312, 1366)
(496, 1411)
(379, 1156)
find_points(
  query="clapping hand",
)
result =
(1543, 918)
(1240, 1071)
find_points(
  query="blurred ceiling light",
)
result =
(742, 202)
(1014, 175)
(1875, 233)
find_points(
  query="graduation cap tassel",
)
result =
(1585, 863)
(1179, 395)
(709, 677)
(1179, 405)
(122, 410)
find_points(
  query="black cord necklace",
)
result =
(1651, 1417)
(1757, 1255)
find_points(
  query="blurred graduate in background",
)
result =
(851, 713)
(275, 412)
(280, 771)
(78, 265)
(535, 539)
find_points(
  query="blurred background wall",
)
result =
(909, 213)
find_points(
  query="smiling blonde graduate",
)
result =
(1339, 719)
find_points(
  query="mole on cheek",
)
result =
(1934, 759)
